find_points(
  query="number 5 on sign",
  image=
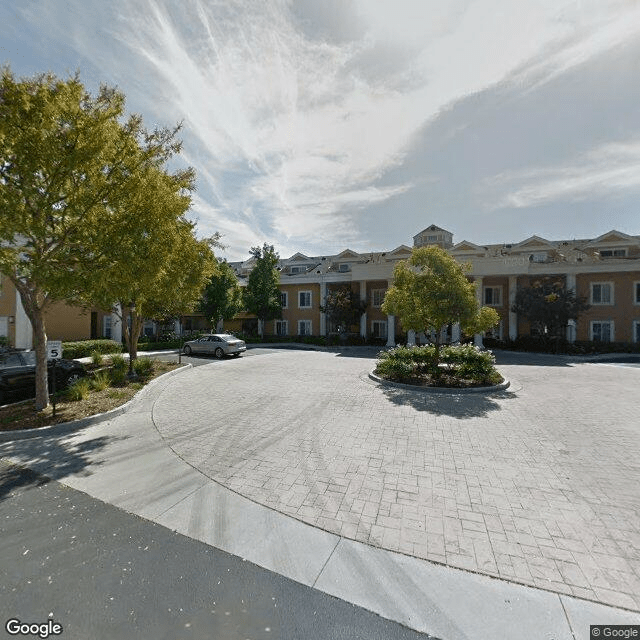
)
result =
(54, 349)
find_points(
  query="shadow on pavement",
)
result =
(473, 405)
(53, 456)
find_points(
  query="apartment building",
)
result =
(605, 270)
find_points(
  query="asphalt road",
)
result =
(103, 573)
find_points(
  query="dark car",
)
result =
(18, 374)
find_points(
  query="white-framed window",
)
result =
(284, 299)
(344, 267)
(636, 293)
(282, 328)
(379, 328)
(602, 293)
(106, 326)
(602, 331)
(304, 327)
(613, 253)
(636, 331)
(298, 269)
(304, 299)
(539, 256)
(377, 297)
(492, 296)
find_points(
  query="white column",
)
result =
(260, 328)
(116, 324)
(23, 329)
(323, 316)
(455, 333)
(391, 331)
(571, 327)
(220, 326)
(513, 316)
(363, 317)
(477, 338)
(443, 334)
(177, 327)
(411, 338)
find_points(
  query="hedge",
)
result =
(85, 348)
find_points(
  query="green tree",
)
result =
(549, 306)
(431, 290)
(343, 307)
(222, 296)
(74, 178)
(262, 293)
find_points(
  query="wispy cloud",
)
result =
(606, 169)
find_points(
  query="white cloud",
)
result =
(606, 169)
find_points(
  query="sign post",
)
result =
(54, 352)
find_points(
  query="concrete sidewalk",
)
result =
(126, 462)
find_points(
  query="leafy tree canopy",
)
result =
(222, 296)
(431, 290)
(87, 202)
(343, 307)
(548, 306)
(262, 293)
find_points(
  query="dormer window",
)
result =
(539, 256)
(298, 269)
(343, 267)
(613, 253)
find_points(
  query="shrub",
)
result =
(118, 377)
(100, 381)
(85, 348)
(143, 367)
(96, 358)
(78, 390)
(396, 369)
(118, 363)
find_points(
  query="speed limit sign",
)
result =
(54, 349)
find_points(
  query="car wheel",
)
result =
(219, 353)
(73, 377)
(187, 350)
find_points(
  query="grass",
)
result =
(23, 415)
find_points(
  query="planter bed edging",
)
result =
(450, 390)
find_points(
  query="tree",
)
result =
(77, 193)
(549, 306)
(431, 290)
(343, 307)
(262, 293)
(222, 296)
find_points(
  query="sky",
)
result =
(317, 125)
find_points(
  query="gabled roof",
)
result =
(347, 253)
(534, 242)
(432, 228)
(401, 250)
(613, 236)
(297, 257)
(466, 246)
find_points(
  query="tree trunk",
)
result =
(33, 302)
(132, 333)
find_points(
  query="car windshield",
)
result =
(29, 357)
(227, 336)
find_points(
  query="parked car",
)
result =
(219, 344)
(18, 374)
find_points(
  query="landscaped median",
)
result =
(454, 368)
(106, 387)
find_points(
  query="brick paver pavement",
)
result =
(538, 485)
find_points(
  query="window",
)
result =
(602, 330)
(106, 326)
(304, 300)
(636, 293)
(304, 327)
(298, 269)
(636, 331)
(343, 267)
(493, 296)
(377, 297)
(284, 299)
(540, 256)
(282, 328)
(613, 253)
(379, 328)
(601, 293)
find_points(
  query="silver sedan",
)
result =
(219, 344)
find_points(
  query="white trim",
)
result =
(373, 293)
(493, 288)
(306, 322)
(611, 294)
(306, 306)
(107, 326)
(286, 299)
(636, 292)
(612, 336)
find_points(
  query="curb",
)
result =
(67, 427)
(444, 390)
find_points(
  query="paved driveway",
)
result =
(538, 485)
